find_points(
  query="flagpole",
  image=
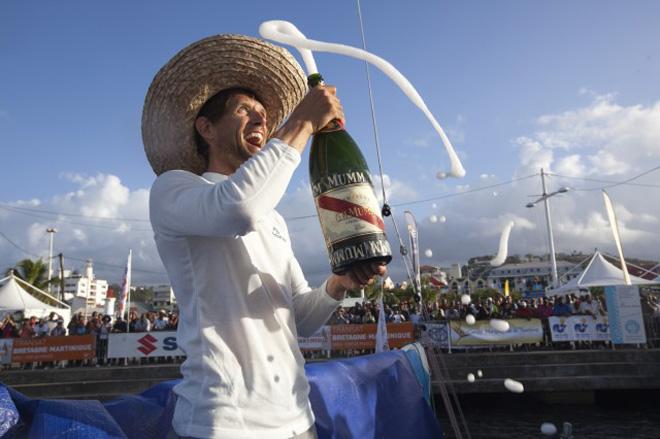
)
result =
(128, 293)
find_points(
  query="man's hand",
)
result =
(316, 110)
(359, 276)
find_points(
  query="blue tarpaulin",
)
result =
(374, 396)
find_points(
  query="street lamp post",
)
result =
(544, 197)
(51, 231)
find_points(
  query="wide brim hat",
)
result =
(198, 72)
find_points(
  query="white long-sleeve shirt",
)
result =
(242, 298)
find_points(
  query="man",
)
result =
(242, 296)
(160, 324)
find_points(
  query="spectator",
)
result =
(524, 311)
(339, 317)
(143, 325)
(120, 325)
(102, 339)
(161, 323)
(173, 322)
(59, 329)
(53, 317)
(26, 330)
(397, 317)
(41, 328)
(590, 307)
(562, 308)
(9, 328)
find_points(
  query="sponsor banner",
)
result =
(435, 335)
(579, 328)
(481, 333)
(625, 312)
(144, 344)
(320, 341)
(364, 336)
(77, 347)
(5, 350)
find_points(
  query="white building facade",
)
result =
(86, 286)
(164, 297)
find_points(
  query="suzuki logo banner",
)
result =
(144, 344)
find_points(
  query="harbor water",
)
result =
(612, 415)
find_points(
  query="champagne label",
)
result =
(330, 182)
(350, 211)
(360, 251)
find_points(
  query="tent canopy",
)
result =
(599, 273)
(13, 298)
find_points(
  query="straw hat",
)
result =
(198, 72)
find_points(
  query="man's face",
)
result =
(242, 131)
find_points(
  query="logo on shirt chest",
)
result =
(278, 234)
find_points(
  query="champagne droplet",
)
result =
(514, 386)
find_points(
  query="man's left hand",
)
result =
(359, 276)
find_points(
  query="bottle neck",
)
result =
(313, 80)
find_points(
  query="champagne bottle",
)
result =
(346, 204)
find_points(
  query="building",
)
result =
(85, 286)
(163, 297)
(530, 278)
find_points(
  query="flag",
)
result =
(381, 332)
(506, 288)
(414, 247)
(125, 286)
(438, 279)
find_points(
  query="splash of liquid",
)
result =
(503, 251)
(285, 32)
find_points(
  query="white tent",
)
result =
(14, 298)
(599, 273)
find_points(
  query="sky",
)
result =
(570, 87)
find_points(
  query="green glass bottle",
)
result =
(346, 204)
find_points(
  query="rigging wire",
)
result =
(402, 248)
(610, 184)
(61, 220)
(53, 212)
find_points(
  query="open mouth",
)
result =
(255, 139)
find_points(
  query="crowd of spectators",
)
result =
(500, 307)
(97, 324)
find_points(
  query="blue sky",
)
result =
(571, 86)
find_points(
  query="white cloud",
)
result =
(85, 234)
(571, 165)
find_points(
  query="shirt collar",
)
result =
(214, 177)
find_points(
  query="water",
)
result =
(614, 415)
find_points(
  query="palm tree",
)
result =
(35, 273)
(32, 272)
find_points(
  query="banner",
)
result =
(364, 336)
(144, 344)
(579, 328)
(481, 333)
(625, 312)
(77, 347)
(434, 334)
(5, 350)
(320, 341)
